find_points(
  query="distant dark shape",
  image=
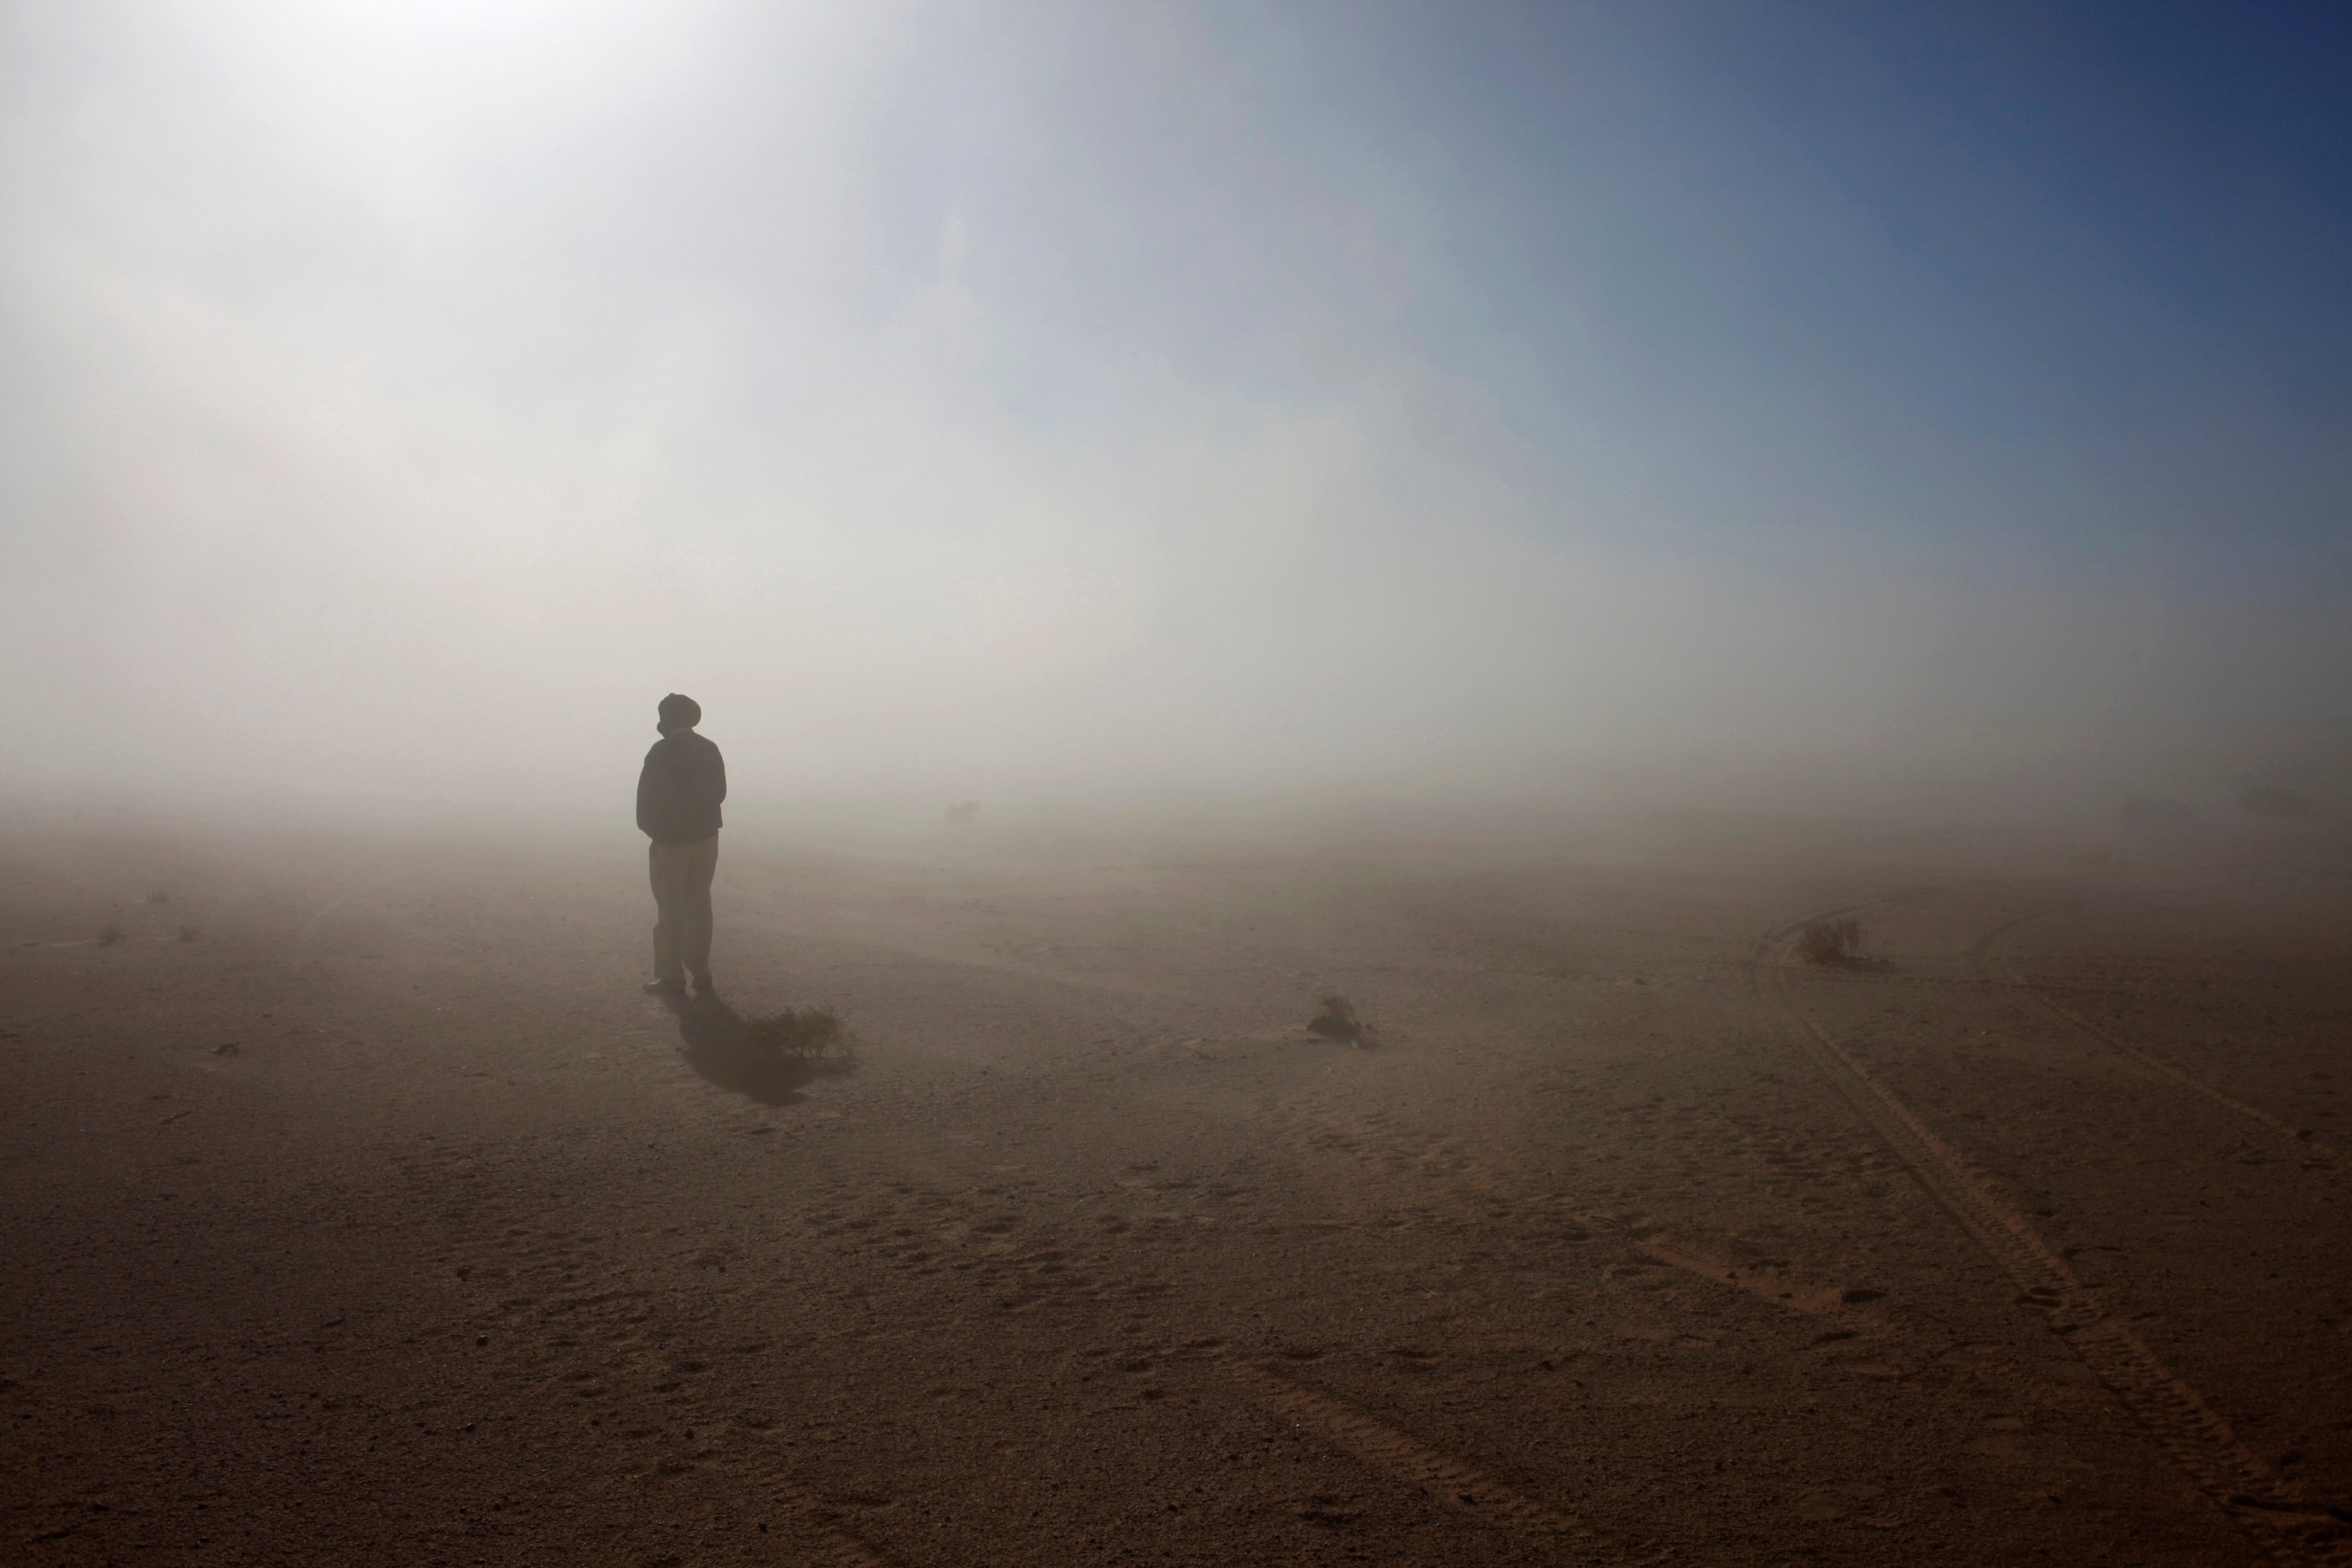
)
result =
(2275, 803)
(678, 791)
(108, 934)
(2154, 818)
(1338, 1020)
(158, 897)
(965, 811)
(189, 934)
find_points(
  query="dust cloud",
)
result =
(401, 397)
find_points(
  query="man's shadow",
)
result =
(722, 1049)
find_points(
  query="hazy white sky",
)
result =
(401, 397)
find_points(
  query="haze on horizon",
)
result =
(396, 399)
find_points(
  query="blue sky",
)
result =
(2011, 277)
(988, 399)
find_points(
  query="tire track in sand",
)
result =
(1457, 1485)
(1994, 969)
(2196, 1436)
(1532, 1202)
(823, 1522)
(1531, 1199)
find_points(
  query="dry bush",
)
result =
(158, 897)
(189, 934)
(1338, 1021)
(108, 934)
(796, 1031)
(1830, 940)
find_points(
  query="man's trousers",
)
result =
(681, 878)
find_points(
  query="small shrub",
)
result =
(796, 1031)
(1830, 940)
(108, 934)
(189, 934)
(1338, 1021)
(158, 897)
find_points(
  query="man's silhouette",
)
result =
(677, 807)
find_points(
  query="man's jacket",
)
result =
(679, 790)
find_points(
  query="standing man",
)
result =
(677, 807)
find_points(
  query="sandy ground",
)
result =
(385, 1222)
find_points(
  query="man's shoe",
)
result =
(703, 986)
(665, 988)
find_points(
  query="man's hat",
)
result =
(680, 711)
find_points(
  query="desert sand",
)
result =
(385, 1221)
